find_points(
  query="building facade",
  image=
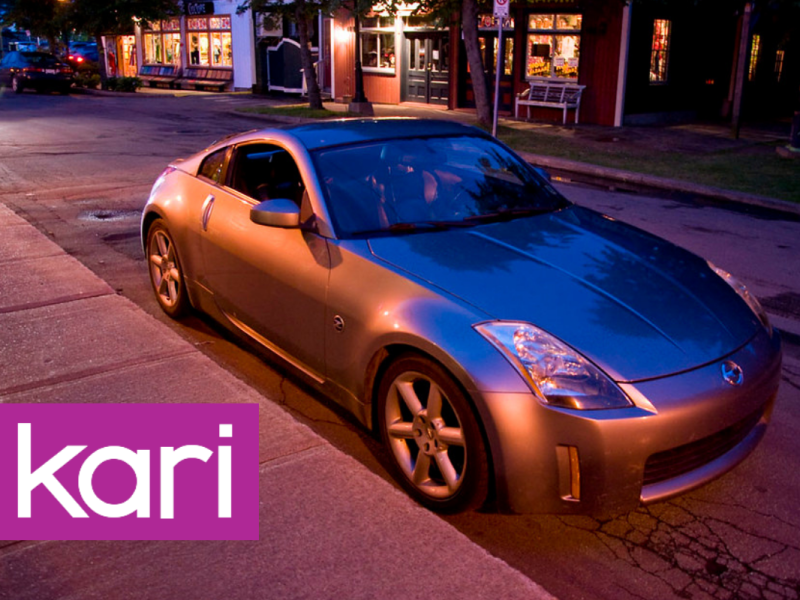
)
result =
(209, 46)
(640, 62)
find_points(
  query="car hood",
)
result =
(636, 305)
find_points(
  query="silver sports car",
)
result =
(504, 343)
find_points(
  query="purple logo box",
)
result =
(129, 471)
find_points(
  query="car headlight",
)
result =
(556, 373)
(741, 289)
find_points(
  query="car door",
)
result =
(270, 282)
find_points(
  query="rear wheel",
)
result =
(16, 85)
(433, 436)
(166, 274)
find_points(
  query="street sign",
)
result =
(501, 8)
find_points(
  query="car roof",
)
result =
(324, 134)
(32, 53)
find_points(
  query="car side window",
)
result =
(213, 166)
(266, 172)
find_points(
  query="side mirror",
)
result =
(276, 213)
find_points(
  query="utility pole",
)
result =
(360, 104)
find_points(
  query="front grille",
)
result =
(677, 461)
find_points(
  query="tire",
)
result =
(166, 273)
(17, 86)
(436, 447)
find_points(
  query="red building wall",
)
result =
(378, 87)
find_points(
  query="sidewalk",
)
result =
(329, 528)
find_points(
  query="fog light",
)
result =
(569, 473)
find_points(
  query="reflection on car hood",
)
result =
(636, 305)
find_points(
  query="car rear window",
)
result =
(42, 60)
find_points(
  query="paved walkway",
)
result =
(329, 527)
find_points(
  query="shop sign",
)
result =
(199, 8)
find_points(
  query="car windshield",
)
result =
(423, 184)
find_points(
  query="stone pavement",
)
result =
(329, 528)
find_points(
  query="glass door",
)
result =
(428, 67)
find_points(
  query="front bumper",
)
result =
(684, 431)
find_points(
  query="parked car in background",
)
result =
(503, 342)
(81, 52)
(39, 71)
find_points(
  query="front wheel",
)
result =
(433, 436)
(166, 275)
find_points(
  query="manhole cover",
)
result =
(109, 215)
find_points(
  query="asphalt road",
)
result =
(80, 167)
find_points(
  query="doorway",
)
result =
(428, 60)
(487, 41)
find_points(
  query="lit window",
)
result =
(659, 54)
(553, 48)
(377, 44)
(162, 43)
(210, 42)
(755, 51)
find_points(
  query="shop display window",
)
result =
(508, 59)
(553, 46)
(210, 43)
(755, 52)
(162, 43)
(487, 21)
(659, 54)
(377, 44)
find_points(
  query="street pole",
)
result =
(500, 12)
(498, 68)
(360, 104)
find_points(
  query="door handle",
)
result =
(208, 205)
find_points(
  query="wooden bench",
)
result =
(158, 75)
(551, 95)
(202, 78)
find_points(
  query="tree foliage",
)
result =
(43, 18)
(55, 19)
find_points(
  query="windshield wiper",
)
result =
(509, 214)
(414, 227)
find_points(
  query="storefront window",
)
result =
(553, 48)
(659, 54)
(755, 51)
(508, 59)
(127, 51)
(210, 42)
(162, 43)
(377, 44)
(490, 22)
